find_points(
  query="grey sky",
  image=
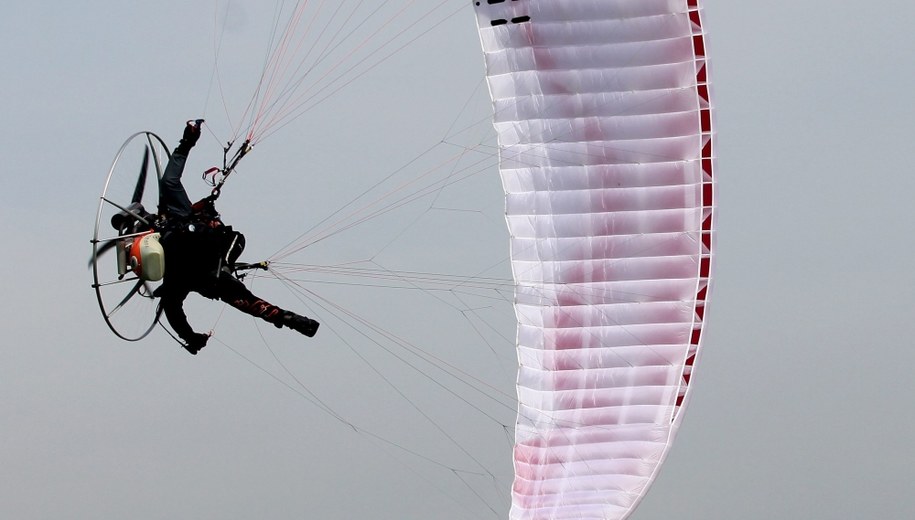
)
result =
(801, 401)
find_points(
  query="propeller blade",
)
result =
(149, 291)
(104, 248)
(133, 291)
(141, 180)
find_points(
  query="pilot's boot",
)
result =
(301, 324)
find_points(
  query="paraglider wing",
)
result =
(605, 133)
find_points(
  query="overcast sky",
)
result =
(802, 401)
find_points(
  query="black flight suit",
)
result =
(199, 254)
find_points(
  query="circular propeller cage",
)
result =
(126, 206)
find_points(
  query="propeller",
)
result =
(133, 291)
(141, 180)
(104, 248)
(135, 199)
